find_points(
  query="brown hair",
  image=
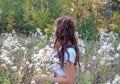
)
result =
(65, 35)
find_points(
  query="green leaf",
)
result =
(6, 81)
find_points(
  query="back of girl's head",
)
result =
(65, 35)
(64, 30)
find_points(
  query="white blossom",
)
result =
(23, 48)
(3, 65)
(117, 55)
(14, 68)
(27, 63)
(39, 31)
(118, 48)
(30, 66)
(43, 59)
(116, 80)
(94, 58)
(82, 66)
(33, 82)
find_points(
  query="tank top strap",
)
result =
(71, 46)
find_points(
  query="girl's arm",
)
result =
(69, 79)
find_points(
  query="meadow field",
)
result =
(21, 57)
(27, 39)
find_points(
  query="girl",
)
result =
(67, 51)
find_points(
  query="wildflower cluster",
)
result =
(21, 58)
(81, 44)
(44, 62)
(10, 47)
(107, 50)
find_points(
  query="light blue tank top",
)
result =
(72, 57)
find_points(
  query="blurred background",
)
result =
(26, 15)
(26, 39)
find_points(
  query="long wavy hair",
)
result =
(64, 37)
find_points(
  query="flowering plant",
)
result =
(44, 61)
(10, 60)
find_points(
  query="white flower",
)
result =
(15, 49)
(35, 60)
(14, 68)
(30, 66)
(100, 52)
(6, 59)
(106, 60)
(3, 65)
(11, 43)
(33, 82)
(94, 58)
(46, 30)
(2, 34)
(76, 35)
(39, 31)
(82, 50)
(43, 59)
(38, 70)
(23, 48)
(112, 48)
(117, 55)
(56, 60)
(43, 75)
(52, 45)
(9, 62)
(107, 37)
(13, 32)
(103, 48)
(118, 48)
(38, 64)
(27, 63)
(82, 67)
(4, 54)
(81, 43)
(88, 65)
(116, 80)
(111, 58)
(102, 62)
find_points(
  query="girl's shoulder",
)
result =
(70, 54)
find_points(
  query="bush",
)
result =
(87, 29)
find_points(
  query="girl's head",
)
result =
(65, 36)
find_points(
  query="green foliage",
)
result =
(19, 19)
(6, 81)
(26, 16)
(55, 9)
(117, 30)
(35, 17)
(87, 29)
(84, 77)
(116, 5)
(1, 78)
(87, 78)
